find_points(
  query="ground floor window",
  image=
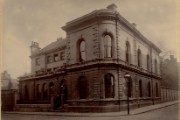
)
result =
(109, 85)
(26, 92)
(83, 87)
(140, 89)
(44, 91)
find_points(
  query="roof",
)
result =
(60, 43)
(108, 12)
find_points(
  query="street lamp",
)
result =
(128, 79)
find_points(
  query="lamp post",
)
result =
(128, 79)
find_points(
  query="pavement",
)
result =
(109, 114)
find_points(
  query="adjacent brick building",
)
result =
(86, 70)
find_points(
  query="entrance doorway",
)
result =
(63, 92)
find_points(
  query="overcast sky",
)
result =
(41, 21)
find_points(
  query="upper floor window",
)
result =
(139, 57)
(49, 59)
(56, 57)
(62, 55)
(107, 46)
(155, 65)
(148, 62)
(127, 52)
(82, 50)
(37, 61)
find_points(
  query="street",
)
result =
(167, 113)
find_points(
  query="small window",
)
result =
(62, 55)
(49, 59)
(37, 61)
(56, 57)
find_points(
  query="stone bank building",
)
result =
(85, 71)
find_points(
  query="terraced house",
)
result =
(85, 71)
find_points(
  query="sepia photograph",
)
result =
(90, 59)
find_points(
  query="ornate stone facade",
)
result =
(100, 48)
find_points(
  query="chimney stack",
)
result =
(34, 47)
(112, 7)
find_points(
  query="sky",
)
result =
(41, 21)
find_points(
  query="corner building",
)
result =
(87, 68)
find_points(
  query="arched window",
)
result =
(107, 46)
(51, 89)
(26, 92)
(157, 90)
(83, 87)
(149, 89)
(44, 91)
(148, 62)
(109, 85)
(155, 65)
(82, 51)
(128, 53)
(140, 89)
(38, 92)
(139, 57)
(63, 91)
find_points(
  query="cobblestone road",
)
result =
(167, 113)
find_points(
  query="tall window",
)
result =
(127, 52)
(83, 87)
(44, 91)
(82, 51)
(26, 92)
(155, 65)
(149, 89)
(107, 46)
(140, 88)
(51, 89)
(139, 57)
(38, 92)
(109, 85)
(157, 90)
(148, 62)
